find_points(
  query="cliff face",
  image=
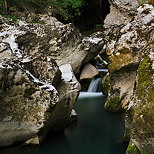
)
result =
(37, 83)
(129, 45)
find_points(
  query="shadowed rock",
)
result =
(88, 72)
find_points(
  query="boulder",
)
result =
(37, 83)
(88, 72)
(131, 57)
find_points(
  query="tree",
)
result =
(22, 5)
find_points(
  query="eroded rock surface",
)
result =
(37, 83)
(130, 49)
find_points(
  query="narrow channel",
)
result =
(95, 132)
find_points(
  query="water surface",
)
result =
(95, 132)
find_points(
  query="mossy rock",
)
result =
(113, 104)
(121, 59)
(106, 84)
(144, 104)
(151, 2)
(133, 149)
(145, 74)
(145, 90)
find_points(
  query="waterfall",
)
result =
(94, 85)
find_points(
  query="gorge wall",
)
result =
(129, 38)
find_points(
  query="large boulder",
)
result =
(37, 83)
(130, 50)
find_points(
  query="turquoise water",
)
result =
(95, 132)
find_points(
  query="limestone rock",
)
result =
(127, 5)
(93, 43)
(116, 17)
(131, 54)
(121, 12)
(37, 83)
(88, 72)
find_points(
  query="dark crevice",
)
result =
(104, 9)
(92, 16)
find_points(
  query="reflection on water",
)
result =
(96, 132)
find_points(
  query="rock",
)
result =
(27, 100)
(88, 72)
(106, 84)
(37, 83)
(68, 90)
(116, 17)
(93, 43)
(121, 88)
(121, 12)
(49, 20)
(131, 57)
(126, 5)
(143, 117)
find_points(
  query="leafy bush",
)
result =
(22, 5)
(68, 8)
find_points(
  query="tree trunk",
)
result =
(6, 6)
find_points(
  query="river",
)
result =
(95, 132)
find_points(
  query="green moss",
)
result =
(11, 17)
(144, 76)
(113, 104)
(122, 59)
(106, 84)
(132, 149)
(144, 100)
(146, 2)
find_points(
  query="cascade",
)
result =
(94, 85)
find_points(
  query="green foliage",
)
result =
(68, 8)
(1, 5)
(22, 5)
(11, 17)
(144, 76)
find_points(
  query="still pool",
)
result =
(95, 132)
